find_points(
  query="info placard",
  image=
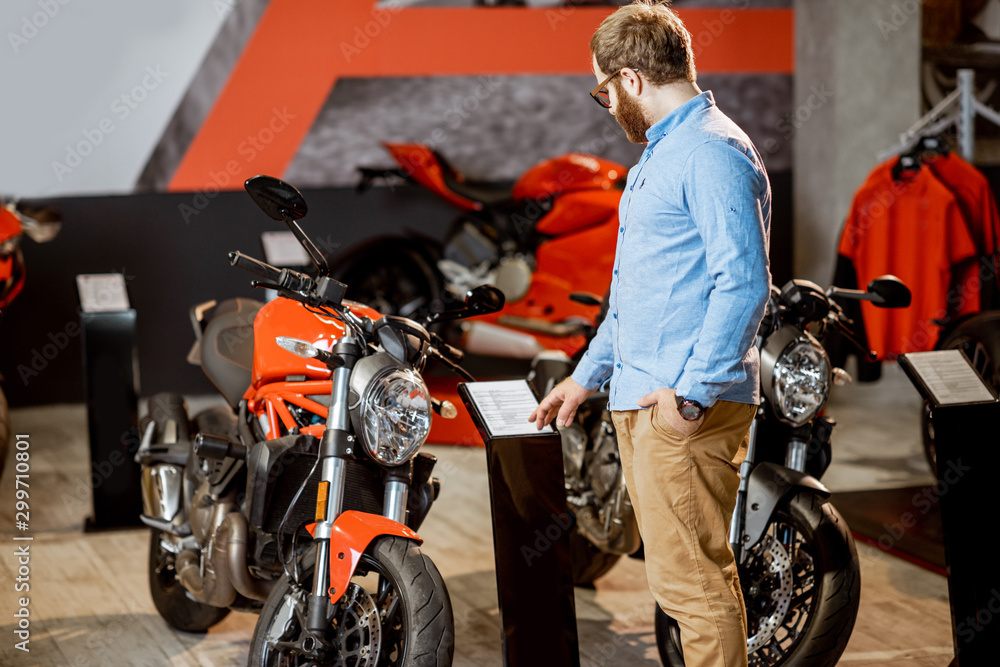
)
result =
(102, 292)
(505, 406)
(949, 377)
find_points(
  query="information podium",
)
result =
(111, 379)
(965, 415)
(531, 526)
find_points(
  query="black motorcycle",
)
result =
(798, 566)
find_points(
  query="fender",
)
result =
(350, 535)
(770, 485)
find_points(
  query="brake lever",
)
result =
(455, 368)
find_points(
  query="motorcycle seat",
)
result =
(227, 347)
(483, 192)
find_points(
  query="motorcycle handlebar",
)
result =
(254, 266)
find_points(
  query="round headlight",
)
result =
(396, 415)
(800, 380)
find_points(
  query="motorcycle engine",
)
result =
(603, 467)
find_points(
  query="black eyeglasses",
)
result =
(600, 93)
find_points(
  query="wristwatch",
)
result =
(689, 409)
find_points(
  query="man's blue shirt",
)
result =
(691, 275)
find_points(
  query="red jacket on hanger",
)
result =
(912, 228)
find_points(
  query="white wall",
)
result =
(101, 77)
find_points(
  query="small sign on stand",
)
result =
(531, 526)
(111, 379)
(964, 414)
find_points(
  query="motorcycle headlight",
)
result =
(796, 375)
(393, 415)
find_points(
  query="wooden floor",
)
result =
(90, 603)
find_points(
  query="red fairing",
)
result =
(566, 173)
(284, 317)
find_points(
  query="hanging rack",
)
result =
(959, 108)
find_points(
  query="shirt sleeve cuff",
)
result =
(694, 391)
(590, 375)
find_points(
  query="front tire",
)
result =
(171, 598)
(393, 277)
(822, 593)
(397, 608)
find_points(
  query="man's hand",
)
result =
(666, 400)
(564, 399)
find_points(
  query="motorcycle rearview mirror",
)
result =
(283, 203)
(890, 292)
(484, 299)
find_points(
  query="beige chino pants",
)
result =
(684, 491)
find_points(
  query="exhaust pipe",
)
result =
(226, 572)
(247, 584)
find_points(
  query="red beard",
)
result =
(631, 116)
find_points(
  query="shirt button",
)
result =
(618, 365)
(615, 316)
(621, 229)
(616, 272)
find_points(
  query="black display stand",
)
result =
(965, 418)
(531, 527)
(110, 378)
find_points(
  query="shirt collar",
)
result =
(672, 120)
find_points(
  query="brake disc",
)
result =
(359, 632)
(778, 576)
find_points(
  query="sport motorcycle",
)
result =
(798, 566)
(300, 499)
(550, 233)
(18, 219)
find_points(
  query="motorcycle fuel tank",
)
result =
(567, 173)
(283, 317)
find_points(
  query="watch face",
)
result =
(690, 412)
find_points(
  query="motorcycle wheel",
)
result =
(801, 620)
(395, 613)
(979, 338)
(393, 279)
(4, 429)
(171, 599)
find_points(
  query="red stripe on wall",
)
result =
(301, 47)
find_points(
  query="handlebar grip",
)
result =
(254, 266)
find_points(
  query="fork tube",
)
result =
(736, 525)
(336, 448)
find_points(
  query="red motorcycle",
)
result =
(40, 225)
(300, 499)
(552, 233)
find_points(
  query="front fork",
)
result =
(336, 448)
(795, 459)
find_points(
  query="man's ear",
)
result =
(631, 81)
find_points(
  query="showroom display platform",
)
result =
(90, 601)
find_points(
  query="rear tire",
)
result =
(589, 562)
(420, 631)
(171, 599)
(826, 576)
(393, 278)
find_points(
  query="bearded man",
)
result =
(690, 282)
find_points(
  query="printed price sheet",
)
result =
(505, 406)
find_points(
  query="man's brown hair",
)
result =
(646, 36)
